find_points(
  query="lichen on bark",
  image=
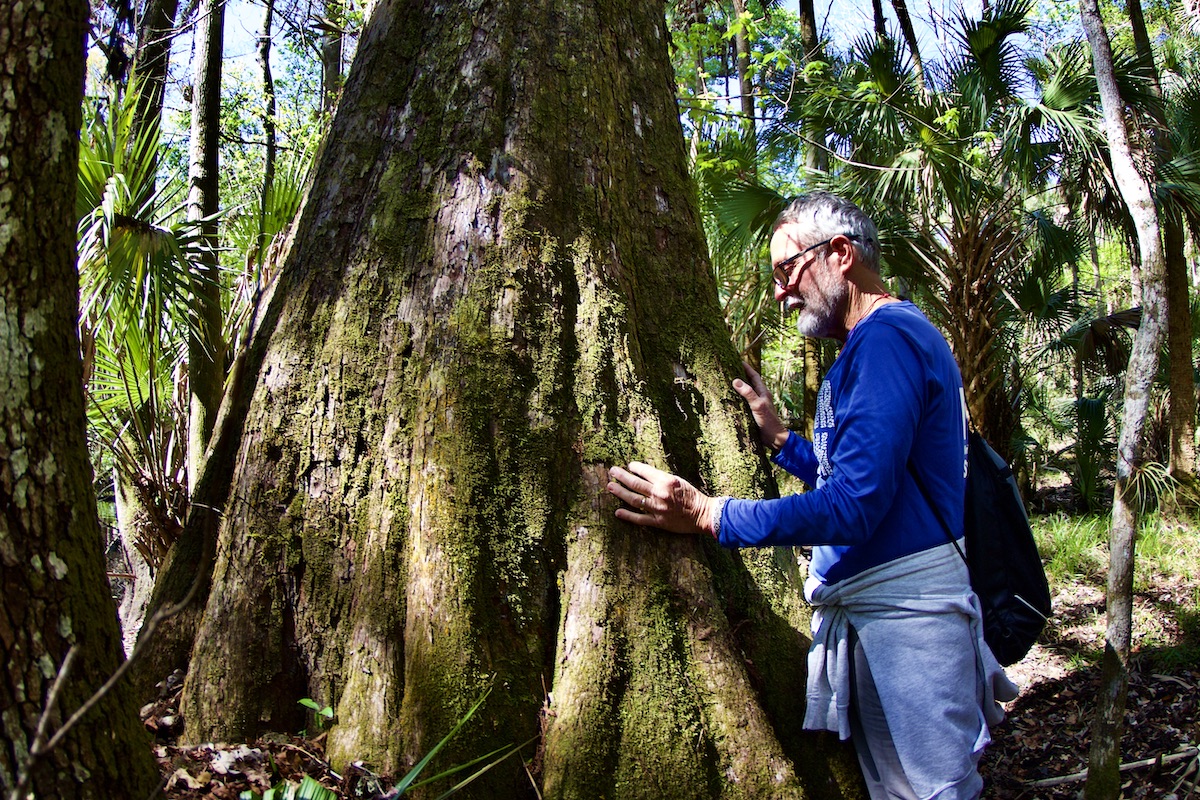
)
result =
(497, 290)
(57, 610)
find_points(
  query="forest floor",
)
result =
(1038, 752)
(1046, 737)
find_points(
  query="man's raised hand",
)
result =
(771, 429)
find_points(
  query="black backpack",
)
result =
(1002, 558)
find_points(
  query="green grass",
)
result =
(1166, 549)
(1074, 549)
(1166, 577)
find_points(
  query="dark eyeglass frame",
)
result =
(781, 271)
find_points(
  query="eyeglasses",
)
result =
(782, 270)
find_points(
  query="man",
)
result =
(898, 662)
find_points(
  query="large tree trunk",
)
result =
(57, 609)
(497, 290)
(1103, 782)
(206, 347)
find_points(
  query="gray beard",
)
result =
(815, 318)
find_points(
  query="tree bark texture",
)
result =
(52, 576)
(206, 347)
(268, 85)
(910, 38)
(331, 55)
(816, 155)
(155, 33)
(971, 257)
(499, 288)
(1182, 411)
(1103, 782)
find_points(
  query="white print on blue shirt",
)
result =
(823, 426)
(962, 394)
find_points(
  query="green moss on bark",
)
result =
(501, 292)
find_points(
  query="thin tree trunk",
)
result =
(155, 34)
(753, 353)
(701, 93)
(206, 347)
(1104, 302)
(1077, 385)
(1105, 757)
(910, 38)
(880, 21)
(1182, 410)
(818, 355)
(131, 522)
(1179, 347)
(156, 31)
(264, 60)
(331, 55)
(498, 290)
(745, 84)
(816, 158)
(57, 610)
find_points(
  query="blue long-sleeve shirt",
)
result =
(894, 394)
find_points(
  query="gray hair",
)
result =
(823, 216)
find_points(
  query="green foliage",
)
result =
(322, 714)
(990, 185)
(480, 765)
(1152, 485)
(1165, 549)
(412, 779)
(1078, 437)
(1073, 548)
(1167, 614)
(726, 157)
(137, 257)
(307, 789)
(136, 253)
(1168, 556)
(257, 229)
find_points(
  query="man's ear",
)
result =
(846, 252)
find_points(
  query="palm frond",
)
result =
(988, 65)
(1100, 342)
(744, 212)
(136, 256)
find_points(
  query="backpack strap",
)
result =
(912, 470)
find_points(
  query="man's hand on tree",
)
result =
(660, 499)
(771, 430)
